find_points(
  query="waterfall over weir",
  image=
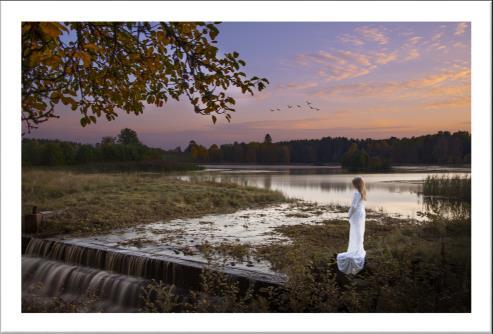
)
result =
(116, 277)
(113, 292)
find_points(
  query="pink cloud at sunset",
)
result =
(367, 80)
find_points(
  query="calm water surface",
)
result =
(396, 193)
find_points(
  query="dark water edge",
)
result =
(333, 168)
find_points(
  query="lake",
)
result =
(397, 193)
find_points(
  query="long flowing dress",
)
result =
(352, 261)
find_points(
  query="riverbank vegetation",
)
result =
(456, 187)
(409, 268)
(145, 166)
(97, 203)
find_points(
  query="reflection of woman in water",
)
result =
(352, 261)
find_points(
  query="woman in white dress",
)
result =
(352, 261)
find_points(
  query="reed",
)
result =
(455, 187)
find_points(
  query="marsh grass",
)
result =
(156, 166)
(96, 203)
(227, 251)
(410, 268)
(455, 187)
(218, 293)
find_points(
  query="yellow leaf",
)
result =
(86, 58)
(26, 26)
(160, 36)
(60, 26)
(91, 46)
(53, 61)
(50, 29)
(55, 95)
(68, 100)
(35, 57)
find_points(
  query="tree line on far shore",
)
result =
(371, 154)
(355, 154)
(124, 147)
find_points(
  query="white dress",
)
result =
(352, 261)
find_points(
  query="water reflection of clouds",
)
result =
(394, 192)
(296, 181)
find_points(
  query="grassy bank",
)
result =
(158, 166)
(97, 203)
(410, 268)
(416, 268)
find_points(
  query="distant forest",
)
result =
(371, 154)
(440, 148)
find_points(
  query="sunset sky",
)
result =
(368, 80)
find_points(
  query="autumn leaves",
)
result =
(103, 68)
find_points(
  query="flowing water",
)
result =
(91, 274)
(75, 284)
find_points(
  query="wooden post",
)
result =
(32, 222)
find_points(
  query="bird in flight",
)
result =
(291, 106)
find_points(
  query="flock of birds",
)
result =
(308, 105)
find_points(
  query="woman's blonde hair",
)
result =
(359, 184)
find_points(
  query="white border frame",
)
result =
(13, 13)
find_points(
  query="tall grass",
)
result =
(157, 166)
(100, 202)
(409, 268)
(455, 187)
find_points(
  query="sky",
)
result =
(369, 80)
